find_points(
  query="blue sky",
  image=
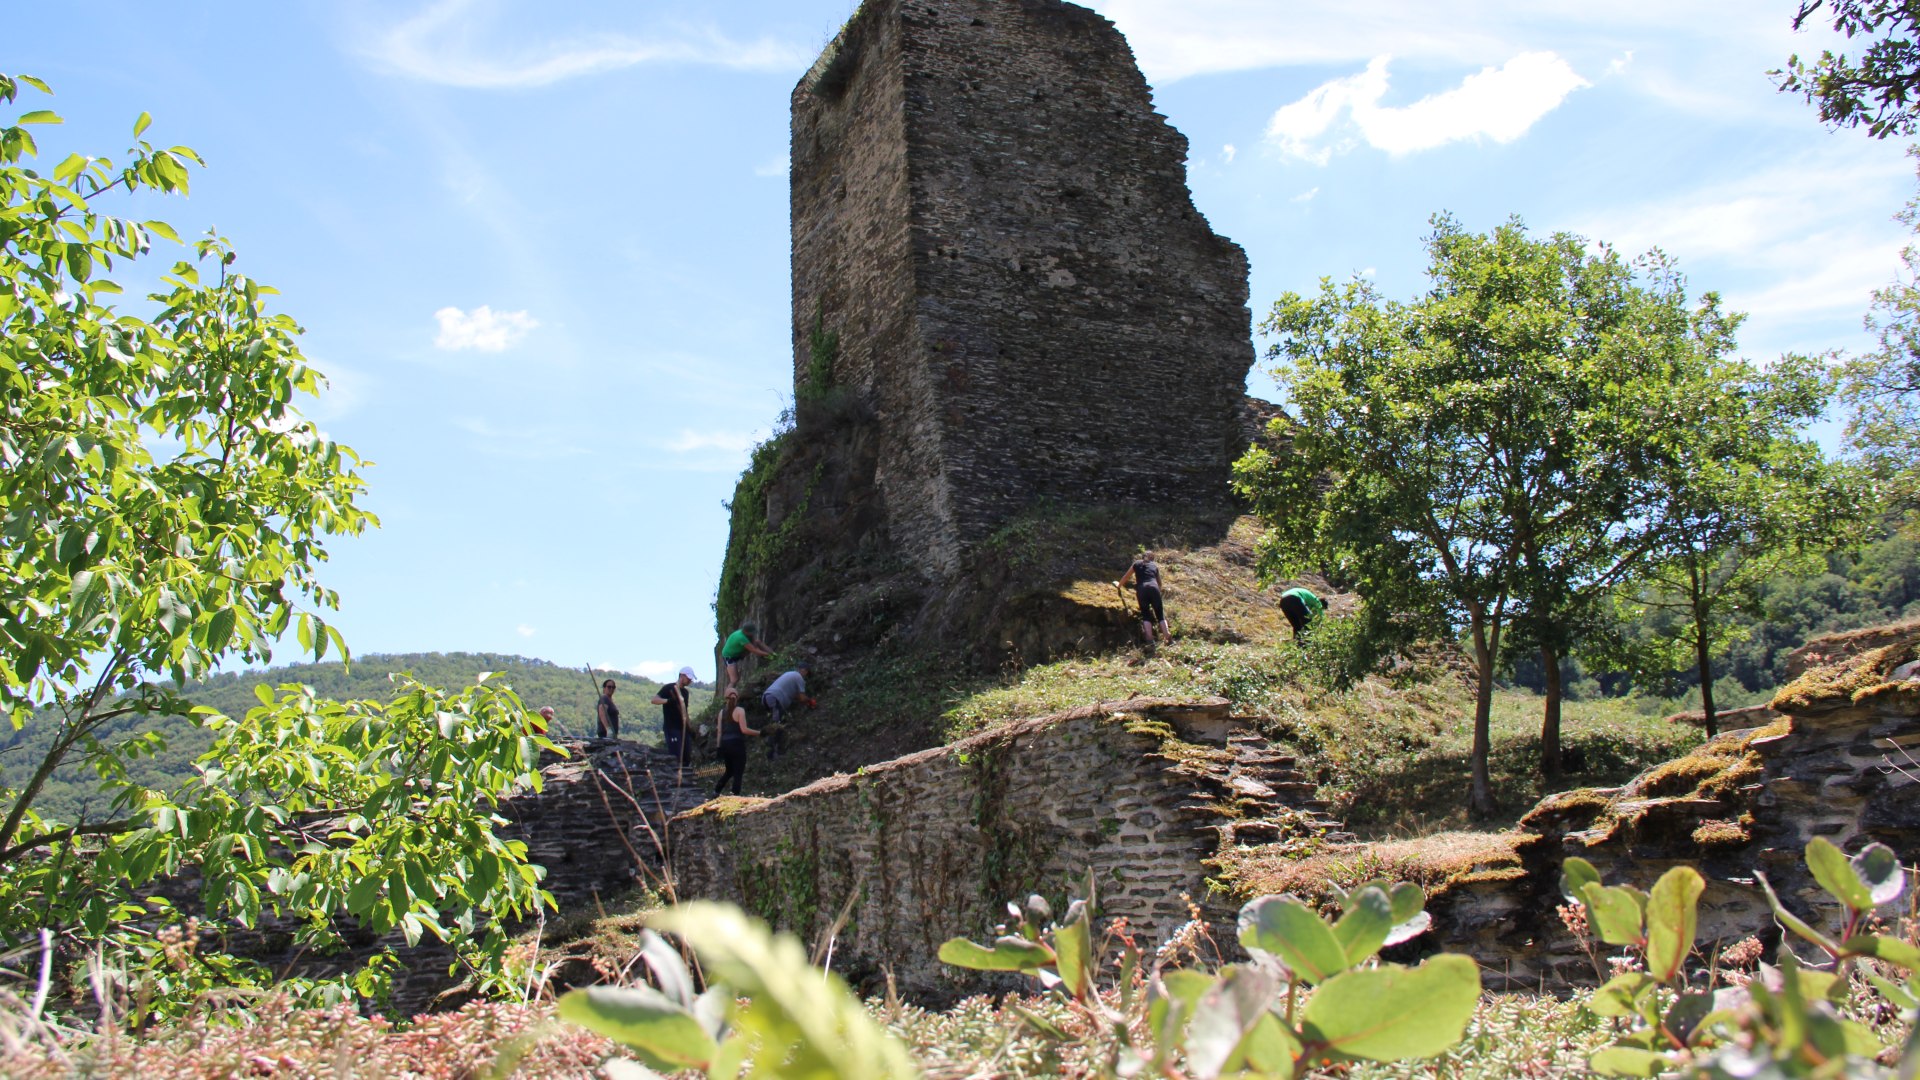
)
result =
(541, 249)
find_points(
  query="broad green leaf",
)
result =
(1615, 913)
(1576, 874)
(79, 261)
(1293, 933)
(1627, 1061)
(40, 116)
(1392, 1013)
(1224, 1021)
(1620, 995)
(643, 1019)
(1879, 869)
(140, 125)
(1892, 950)
(1672, 915)
(1005, 954)
(1171, 998)
(1073, 951)
(220, 629)
(1835, 874)
(1894, 992)
(1364, 928)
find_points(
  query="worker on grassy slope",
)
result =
(781, 699)
(733, 741)
(1301, 607)
(735, 650)
(1145, 575)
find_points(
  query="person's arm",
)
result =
(600, 712)
(658, 700)
(1124, 578)
(740, 717)
(755, 649)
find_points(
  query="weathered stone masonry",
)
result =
(1142, 793)
(991, 215)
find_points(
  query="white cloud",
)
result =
(774, 166)
(657, 670)
(733, 442)
(1229, 152)
(1305, 196)
(524, 630)
(482, 328)
(437, 45)
(521, 443)
(1498, 103)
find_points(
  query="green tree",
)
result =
(1488, 454)
(1882, 88)
(1747, 499)
(165, 508)
(1882, 388)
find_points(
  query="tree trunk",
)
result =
(1480, 791)
(1550, 762)
(1705, 660)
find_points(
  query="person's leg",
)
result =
(1159, 613)
(777, 739)
(737, 765)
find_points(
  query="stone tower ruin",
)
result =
(992, 218)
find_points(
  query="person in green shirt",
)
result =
(1301, 607)
(734, 652)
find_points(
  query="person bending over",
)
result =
(782, 697)
(1145, 575)
(1301, 607)
(733, 741)
(606, 715)
(735, 650)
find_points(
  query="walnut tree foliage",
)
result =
(1879, 88)
(165, 509)
(1495, 457)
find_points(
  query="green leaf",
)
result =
(1672, 913)
(1620, 996)
(140, 125)
(40, 116)
(161, 229)
(1364, 928)
(1627, 1061)
(1073, 951)
(69, 168)
(220, 629)
(1224, 1020)
(1293, 933)
(1006, 954)
(1791, 921)
(79, 261)
(1892, 950)
(1835, 874)
(1576, 874)
(1392, 1013)
(1615, 913)
(643, 1019)
(1879, 869)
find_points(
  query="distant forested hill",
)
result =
(571, 691)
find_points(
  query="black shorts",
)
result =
(1151, 607)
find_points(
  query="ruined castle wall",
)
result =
(990, 213)
(935, 844)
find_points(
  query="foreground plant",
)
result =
(766, 1011)
(1250, 1018)
(1787, 1022)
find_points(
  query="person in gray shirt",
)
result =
(783, 696)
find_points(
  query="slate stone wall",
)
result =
(933, 845)
(991, 215)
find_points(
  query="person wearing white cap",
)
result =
(672, 700)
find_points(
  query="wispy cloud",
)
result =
(732, 442)
(525, 631)
(1306, 196)
(1229, 152)
(440, 45)
(657, 670)
(528, 443)
(1500, 103)
(774, 166)
(482, 328)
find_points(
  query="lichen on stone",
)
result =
(1844, 683)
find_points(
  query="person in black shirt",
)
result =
(672, 700)
(1145, 575)
(606, 715)
(733, 741)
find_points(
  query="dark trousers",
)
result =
(1295, 609)
(777, 739)
(734, 753)
(675, 738)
